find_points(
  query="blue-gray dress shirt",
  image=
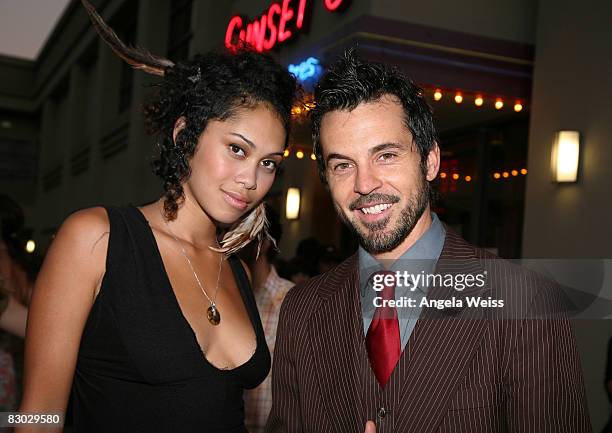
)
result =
(420, 258)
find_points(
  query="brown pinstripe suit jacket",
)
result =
(462, 370)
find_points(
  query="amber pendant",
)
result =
(213, 315)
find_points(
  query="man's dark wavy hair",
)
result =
(210, 87)
(352, 81)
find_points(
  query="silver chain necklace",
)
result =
(212, 313)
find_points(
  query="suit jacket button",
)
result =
(382, 412)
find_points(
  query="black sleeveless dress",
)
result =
(139, 367)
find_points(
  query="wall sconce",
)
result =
(565, 156)
(292, 205)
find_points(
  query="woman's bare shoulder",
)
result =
(93, 219)
(82, 241)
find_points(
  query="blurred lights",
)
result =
(507, 174)
(292, 204)
(498, 175)
(479, 99)
(302, 109)
(454, 176)
(300, 154)
(30, 246)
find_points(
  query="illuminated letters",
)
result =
(278, 24)
(305, 70)
(332, 5)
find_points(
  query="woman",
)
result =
(151, 316)
(17, 268)
(15, 285)
(12, 320)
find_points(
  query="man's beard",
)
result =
(376, 240)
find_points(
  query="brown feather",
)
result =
(254, 226)
(137, 58)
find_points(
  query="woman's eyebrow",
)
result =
(246, 140)
(250, 143)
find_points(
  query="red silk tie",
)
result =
(383, 338)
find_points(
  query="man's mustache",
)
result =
(373, 198)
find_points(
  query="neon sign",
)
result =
(309, 68)
(332, 5)
(281, 21)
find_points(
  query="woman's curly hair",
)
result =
(209, 87)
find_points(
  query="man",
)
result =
(269, 290)
(345, 355)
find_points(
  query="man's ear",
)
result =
(433, 162)
(179, 125)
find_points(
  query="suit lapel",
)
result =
(440, 347)
(335, 330)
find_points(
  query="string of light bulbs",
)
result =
(479, 99)
(299, 154)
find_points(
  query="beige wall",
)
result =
(572, 90)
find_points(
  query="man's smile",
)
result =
(374, 212)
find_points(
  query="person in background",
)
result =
(608, 385)
(18, 268)
(330, 258)
(270, 291)
(13, 317)
(15, 287)
(308, 253)
(294, 270)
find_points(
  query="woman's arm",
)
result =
(62, 298)
(13, 319)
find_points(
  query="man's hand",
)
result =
(370, 427)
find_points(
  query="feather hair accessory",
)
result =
(137, 58)
(254, 226)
